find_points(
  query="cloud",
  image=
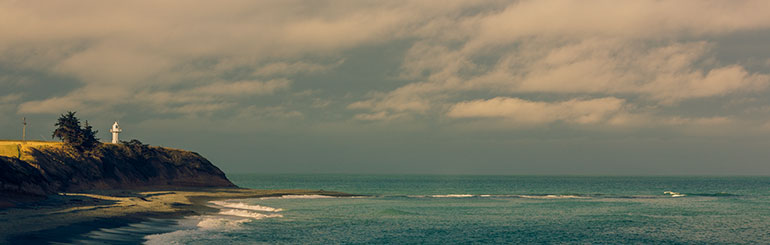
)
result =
(51, 105)
(644, 52)
(645, 19)
(204, 57)
(241, 88)
(8, 102)
(9, 98)
(608, 111)
(206, 98)
(372, 116)
(254, 112)
(404, 99)
(649, 120)
(704, 121)
(178, 45)
(666, 74)
(285, 68)
(589, 111)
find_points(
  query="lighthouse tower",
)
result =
(115, 130)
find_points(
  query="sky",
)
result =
(556, 87)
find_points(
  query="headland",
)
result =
(50, 192)
(38, 169)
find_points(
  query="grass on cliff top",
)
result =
(15, 148)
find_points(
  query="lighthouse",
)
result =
(115, 130)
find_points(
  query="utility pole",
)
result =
(24, 131)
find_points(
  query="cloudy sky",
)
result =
(439, 87)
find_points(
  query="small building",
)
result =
(115, 130)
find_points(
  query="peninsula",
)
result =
(50, 191)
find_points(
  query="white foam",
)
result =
(298, 197)
(232, 217)
(196, 228)
(552, 197)
(453, 195)
(175, 237)
(221, 223)
(240, 205)
(247, 214)
(674, 194)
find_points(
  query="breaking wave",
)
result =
(240, 205)
(453, 195)
(531, 196)
(247, 214)
(552, 196)
(674, 194)
(568, 196)
(205, 227)
(298, 197)
(221, 223)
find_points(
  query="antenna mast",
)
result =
(24, 131)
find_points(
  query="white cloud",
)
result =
(588, 111)
(404, 99)
(666, 74)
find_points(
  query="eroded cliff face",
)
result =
(109, 166)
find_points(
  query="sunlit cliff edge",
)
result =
(44, 168)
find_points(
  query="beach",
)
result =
(63, 216)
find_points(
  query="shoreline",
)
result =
(63, 217)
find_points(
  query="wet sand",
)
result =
(61, 217)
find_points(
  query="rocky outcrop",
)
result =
(51, 170)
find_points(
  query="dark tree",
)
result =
(68, 128)
(69, 131)
(88, 137)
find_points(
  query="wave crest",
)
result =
(240, 205)
(552, 196)
(298, 197)
(247, 214)
(674, 194)
(221, 223)
(453, 195)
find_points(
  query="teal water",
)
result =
(489, 209)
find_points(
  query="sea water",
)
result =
(416, 209)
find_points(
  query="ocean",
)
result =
(436, 209)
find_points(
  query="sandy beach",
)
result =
(68, 214)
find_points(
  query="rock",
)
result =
(109, 166)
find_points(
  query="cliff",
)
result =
(48, 170)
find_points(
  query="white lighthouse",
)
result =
(115, 130)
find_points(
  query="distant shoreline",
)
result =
(67, 215)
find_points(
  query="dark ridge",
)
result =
(109, 166)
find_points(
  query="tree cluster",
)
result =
(68, 129)
(134, 142)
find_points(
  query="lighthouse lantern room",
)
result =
(115, 130)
